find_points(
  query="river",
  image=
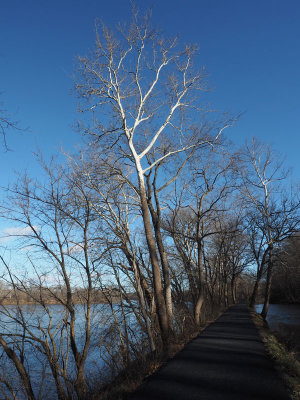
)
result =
(103, 345)
(284, 321)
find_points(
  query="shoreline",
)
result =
(27, 303)
(285, 360)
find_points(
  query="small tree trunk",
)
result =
(233, 294)
(255, 288)
(268, 286)
(198, 308)
(20, 368)
(200, 298)
(254, 293)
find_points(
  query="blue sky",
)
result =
(250, 50)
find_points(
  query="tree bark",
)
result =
(233, 280)
(254, 293)
(200, 298)
(158, 287)
(258, 278)
(156, 220)
(268, 286)
(198, 308)
(20, 368)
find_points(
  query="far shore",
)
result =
(32, 303)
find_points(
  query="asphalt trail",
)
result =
(227, 361)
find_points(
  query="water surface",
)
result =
(284, 321)
(104, 342)
(287, 314)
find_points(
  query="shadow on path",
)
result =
(227, 361)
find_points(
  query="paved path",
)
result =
(227, 361)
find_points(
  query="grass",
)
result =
(285, 361)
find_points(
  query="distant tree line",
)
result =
(32, 293)
(286, 280)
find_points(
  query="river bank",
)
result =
(52, 297)
(141, 369)
(284, 322)
(281, 342)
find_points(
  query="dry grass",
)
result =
(128, 380)
(285, 360)
(139, 370)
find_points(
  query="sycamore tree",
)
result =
(142, 107)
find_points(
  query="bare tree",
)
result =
(231, 252)
(276, 215)
(192, 220)
(116, 204)
(56, 226)
(146, 89)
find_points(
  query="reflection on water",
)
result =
(104, 341)
(284, 320)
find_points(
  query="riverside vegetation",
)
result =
(285, 360)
